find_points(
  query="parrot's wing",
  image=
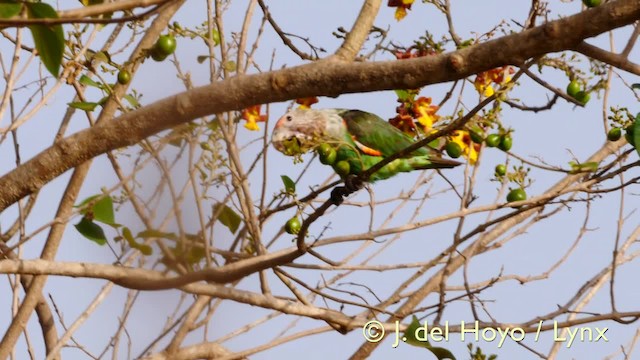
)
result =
(376, 137)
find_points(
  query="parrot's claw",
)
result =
(353, 183)
(337, 195)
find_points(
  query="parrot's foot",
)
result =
(352, 184)
(337, 195)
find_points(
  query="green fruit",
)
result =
(629, 135)
(157, 55)
(592, 3)
(327, 154)
(492, 140)
(342, 167)
(506, 142)
(476, 136)
(293, 226)
(583, 97)
(124, 77)
(324, 149)
(517, 194)
(614, 134)
(573, 88)
(453, 149)
(166, 44)
(501, 170)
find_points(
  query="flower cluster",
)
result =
(412, 112)
(483, 82)
(401, 7)
(253, 117)
(470, 149)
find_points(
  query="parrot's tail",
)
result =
(433, 162)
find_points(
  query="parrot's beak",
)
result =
(291, 146)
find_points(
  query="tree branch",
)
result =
(322, 78)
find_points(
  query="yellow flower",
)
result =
(401, 7)
(425, 112)
(498, 76)
(400, 13)
(252, 116)
(482, 83)
(305, 103)
(470, 150)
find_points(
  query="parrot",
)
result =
(352, 141)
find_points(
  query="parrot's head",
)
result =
(301, 130)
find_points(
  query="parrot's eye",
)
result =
(289, 118)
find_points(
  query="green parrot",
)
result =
(351, 141)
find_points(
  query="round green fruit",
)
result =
(293, 226)
(124, 77)
(592, 3)
(501, 170)
(342, 167)
(166, 44)
(453, 149)
(506, 142)
(328, 158)
(492, 140)
(614, 134)
(476, 136)
(573, 88)
(157, 55)
(517, 194)
(324, 149)
(583, 97)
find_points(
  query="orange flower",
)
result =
(470, 150)
(252, 116)
(500, 76)
(405, 123)
(401, 7)
(425, 112)
(305, 103)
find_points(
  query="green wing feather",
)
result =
(371, 131)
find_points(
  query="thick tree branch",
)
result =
(321, 78)
(618, 60)
(360, 30)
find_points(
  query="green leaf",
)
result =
(49, 40)
(289, 185)
(87, 81)
(635, 86)
(91, 231)
(101, 56)
(9, 10)
(636, 133)
(103, 211)
(85, 202)
(132, 100)
(144, 248)
(228, 217)
(202, 58)
(403, 95)
(83, 105)
(230, 66)
(151, 233)
(410, 335)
